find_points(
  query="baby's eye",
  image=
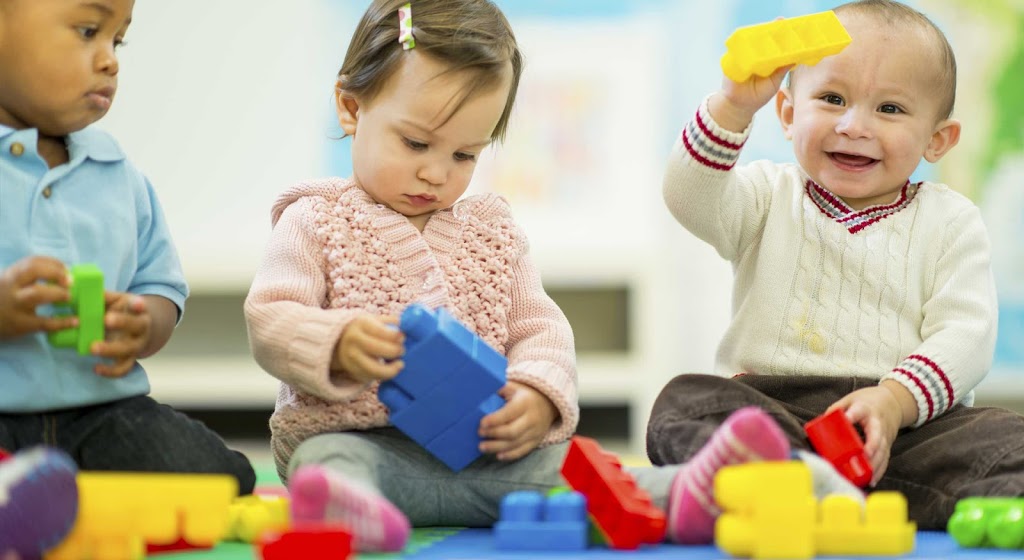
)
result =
(832, 99)
(890, 108)
(414, 145)
(463, 156)
(118, 43)
(88, 32)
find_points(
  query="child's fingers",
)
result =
(517, 451)
(119, 368)
(374, 368)
(381, 348)
(33, 295)
(40, 269)
(52, 324)
(126, 322)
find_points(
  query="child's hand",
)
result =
(128, 323)
(369, 349)
(518, 427)
(733, 107)
(878, 412)
(28, 283)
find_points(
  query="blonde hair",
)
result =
(469, 36)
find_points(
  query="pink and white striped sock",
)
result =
(748, 434)
(320, 494)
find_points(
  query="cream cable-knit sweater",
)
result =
(334, 254)
(902, 291)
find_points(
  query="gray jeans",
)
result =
(430, 494)
(964, 452)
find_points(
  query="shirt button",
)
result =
(47, 192)
(17, 149)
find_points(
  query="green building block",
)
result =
(87, 304)
(988, 523)
(763, 48)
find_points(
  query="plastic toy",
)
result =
(763, 48)
(622, 511)
(120, 513)
(449, 383)
(251, 516)
(988, 523)
(529, 521)
(769, 511)
(835, 439)
(320, 541)
(87, 304)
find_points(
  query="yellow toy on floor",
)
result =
(119, 513)
(769, 511)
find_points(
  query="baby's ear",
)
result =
(784, 110)
(946, 135)
(347, 108)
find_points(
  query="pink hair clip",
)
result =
(405, 27)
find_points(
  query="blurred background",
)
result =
(225, 104)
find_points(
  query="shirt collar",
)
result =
(90, 142)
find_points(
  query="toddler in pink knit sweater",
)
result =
(423, 89)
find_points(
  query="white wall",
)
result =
(223, 104)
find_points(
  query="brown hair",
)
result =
(470, 36)
(896, 13)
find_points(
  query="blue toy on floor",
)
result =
(449, 383)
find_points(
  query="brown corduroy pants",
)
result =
(965, 452)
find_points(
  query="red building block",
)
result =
(622, 511)
(834, 438)
(308, 541)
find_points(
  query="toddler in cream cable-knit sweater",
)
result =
(855, 289)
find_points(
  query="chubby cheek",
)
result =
(458, 182)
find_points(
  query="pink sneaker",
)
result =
(38, 501)
(320, 494)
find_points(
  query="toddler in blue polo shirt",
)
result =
(68, 195)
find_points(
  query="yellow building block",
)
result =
(769, 511)
(763, 48)
(882, 529)
(119, 513)
(251, 516)
(737, 485)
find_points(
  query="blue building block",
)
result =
(450, 381)
(528, 521)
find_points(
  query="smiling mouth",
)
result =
(851, 160)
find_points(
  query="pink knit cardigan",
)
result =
(335, 254)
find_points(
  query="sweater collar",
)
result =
(856, 220)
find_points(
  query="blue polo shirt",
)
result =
(99, 209)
